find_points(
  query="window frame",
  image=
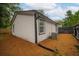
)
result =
(40, 25)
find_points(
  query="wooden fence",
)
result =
(65, 30)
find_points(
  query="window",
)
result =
(41, 27)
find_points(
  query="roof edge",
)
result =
(34, 11)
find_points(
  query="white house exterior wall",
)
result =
(54, 28)
(49, 28)
(24, 27)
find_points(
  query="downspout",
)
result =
(35, 20)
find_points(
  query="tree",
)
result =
(76, 16)
(68, 18)
(69, 13)
(71, 19)
(6, 12)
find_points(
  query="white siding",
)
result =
(49, 28)
(24, 27)
(54, 28)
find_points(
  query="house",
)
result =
(76, 31)
(32, 26)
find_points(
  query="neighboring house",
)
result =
(76, 31)
(32, 26)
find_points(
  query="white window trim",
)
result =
(40, 33)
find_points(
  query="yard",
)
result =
(64, 44)
(11, 45)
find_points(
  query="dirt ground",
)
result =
(65, 44)
(14, 46)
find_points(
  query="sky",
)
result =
(55, 11)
